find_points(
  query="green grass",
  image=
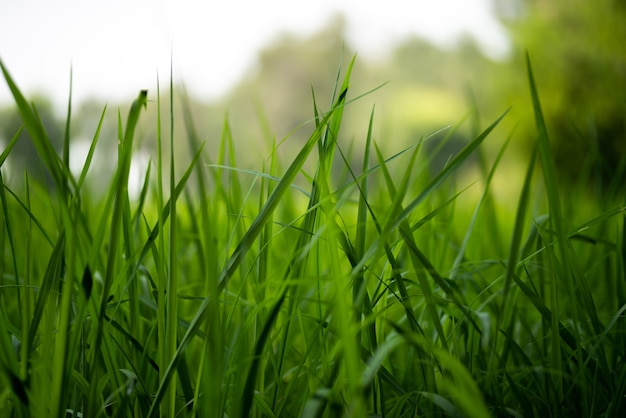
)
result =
(371, 290)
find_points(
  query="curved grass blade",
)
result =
(246, 242)
(118, 195)
(92, 149)
(37, 131)
(247, 396)
(10, 145)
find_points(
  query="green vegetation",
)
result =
(577, 47)
(310, 287)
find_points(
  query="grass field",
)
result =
(373, 290)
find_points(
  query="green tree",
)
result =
(24, 155)
(578, 55)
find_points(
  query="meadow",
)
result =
(311, 287)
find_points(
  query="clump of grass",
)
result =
(220, 294)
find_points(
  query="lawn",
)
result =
(311, 287)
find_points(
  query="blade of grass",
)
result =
(483, 197)
(246, 242)
(119, 197)
(302, 250)
(61, 366)
(12, 246)
(50, 282)
(447, 171)
(247, 396)
(10, 145)
(394, 222)
(395, 208)
(90, 153)
(66, 135)
(506, 317)
(37, 132)
(171, 337)
(161, 262)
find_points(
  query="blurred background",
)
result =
(254, 65)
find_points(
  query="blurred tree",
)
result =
(285, 72)
(426, 89)
(579, 59)
(24, 155)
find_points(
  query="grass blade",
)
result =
(246, 242)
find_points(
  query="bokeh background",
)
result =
(255, 64)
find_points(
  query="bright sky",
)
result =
(116, 47)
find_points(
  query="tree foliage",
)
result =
(24, 155)
(577, 48)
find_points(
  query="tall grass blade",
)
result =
(447, 171)
(171, 325)
(119, 198)
(10, 145)
(483, 197)
(90, 153)
(66, 134)
(245, 243)
(247, 395)
(35, 128)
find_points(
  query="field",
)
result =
(310, 288)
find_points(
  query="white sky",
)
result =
(116, 47)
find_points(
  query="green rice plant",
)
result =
(310, 287)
